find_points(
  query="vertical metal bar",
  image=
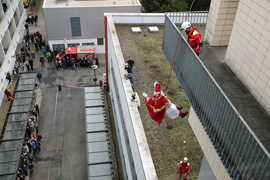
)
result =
(106, 52)
(264, 172)
(230, 135)
(248, 154)
(256, 154)
(225, 127)
(216, 120)
(242, 144)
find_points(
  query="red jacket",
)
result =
(194, 39)
(156, 102)
(184, 168)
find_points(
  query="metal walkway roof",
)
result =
(98, 141)
(14, 132)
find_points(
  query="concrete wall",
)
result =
(209, 150)
(248, 51)
(134, 151)
(220, 22)
(92, 21)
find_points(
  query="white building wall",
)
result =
(248, 51)
(8, 61)
(220, 22)
(58, 27)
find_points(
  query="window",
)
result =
(4, 5)
(100, 41)
(75, 26)
(11, 32)
(88, 44)
(73, 44)
(58, 47)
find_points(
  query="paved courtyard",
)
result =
(63, 147)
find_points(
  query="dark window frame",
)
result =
(75, 24)
(100, 41)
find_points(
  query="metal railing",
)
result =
(241, 152)
(194, 17)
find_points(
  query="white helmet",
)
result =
(185, 25)
(185, 159)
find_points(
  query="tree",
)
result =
(175, 5)
(164, 5)
(199, 5)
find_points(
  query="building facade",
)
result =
(12, 17)
(242, 25)
(81, 23)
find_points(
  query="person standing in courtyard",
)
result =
(39, 76)
(42, 60)
(36, 19)
(8, 77)
(31, 63)
(8, 95)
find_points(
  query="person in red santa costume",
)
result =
(159, 105)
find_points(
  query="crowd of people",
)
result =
(31, 145)
(63, 61)
(26, 57)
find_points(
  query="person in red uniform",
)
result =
(194, 36)
(8, 94)
(157, 104)
(184, 168)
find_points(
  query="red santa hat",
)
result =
(157, 88)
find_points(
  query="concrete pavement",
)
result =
(63, 153)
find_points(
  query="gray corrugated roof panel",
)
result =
(11, 146)
(95, 137)
(25, 94)
(96, 110)
(93, 96)
(28, 76)
(96, 127)
(15, 125)
(18, 117)
(8, 177)
(98, 147)
(27, 81)
(99, 157)
(27, 87)
(20, 109)
(94, 102)
(100, 170)
(101, 178)
(96, 118)
(92, 89)
(8, 168)
(13, 135)
(9, 156)
(22, 101)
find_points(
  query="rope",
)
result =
(191, 5)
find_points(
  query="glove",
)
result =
(144, 94)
